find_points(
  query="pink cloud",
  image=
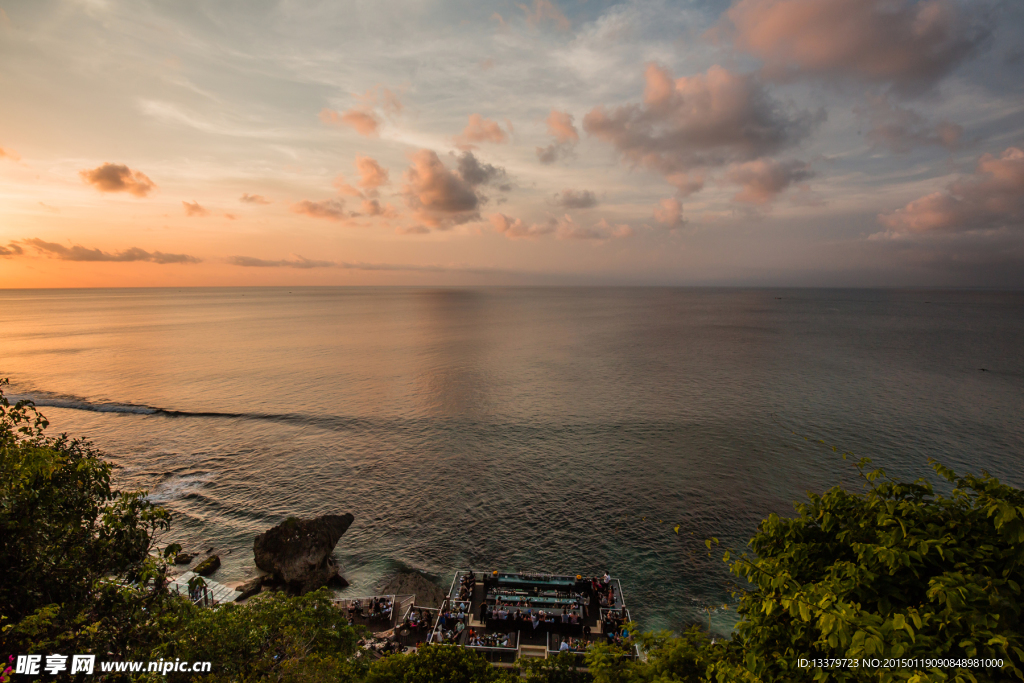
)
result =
(561, 127)
(194, 209)
(9, 154)
(247, 198)
(438, 197)
(371, 174)
(85, 254)
(669, 213)
(515, 228)
(764, 179)
(901, 129)
(694, 122)
(991, 198)
(363, 122)
(544, 11)
(686, 183)
(118, 178)
(909, 44)
(364, 118)
(373, 207)
(331, 209)
(480, 129)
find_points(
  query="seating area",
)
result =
(417, 625)
(376, 612)
(533, 612)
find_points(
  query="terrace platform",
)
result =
(506, 616)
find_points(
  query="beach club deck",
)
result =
(508, 615)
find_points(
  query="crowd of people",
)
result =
(532, 616)
(491, 639)
(377, 609)
(466, 585)
(419, 619)
(574, 645)
(613, 626)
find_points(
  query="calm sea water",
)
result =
(556, 429)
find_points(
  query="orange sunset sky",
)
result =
(302, 142)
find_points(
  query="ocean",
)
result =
(556, 429)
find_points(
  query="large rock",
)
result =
(428, 593)
(297, 552)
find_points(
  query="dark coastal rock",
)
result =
(207, 566)
(297, 552)
(184, 558)
(250, 588)
(428, 593)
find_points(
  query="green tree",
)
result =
(71, 546)
(272, 637)
(437, 664)
(563, 667)
(899, 571)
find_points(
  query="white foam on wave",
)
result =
(177, 487)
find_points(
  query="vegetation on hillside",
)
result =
(926, 584)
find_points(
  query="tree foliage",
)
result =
(70, 544)
(897, 572)
(270, 637)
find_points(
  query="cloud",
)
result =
(600, 231)
(371, 174)
(439, 198)
(474, 172)
(576, 199)
(910, 45)
(669, 213)
(253, 199)
(79, 253)
(515, 228)
(372, 207)
(118, 178)
(545, 11)
(9, 154)
(332, 209)
(990, 199)
(194, 209)
(363, 122)
(414, 230)
(764, 179)
(296, 262)
(686, 183)
(480, 129)
(364, 117)
(900, 129)
(694, 122)
(12, 249)
(561, 127)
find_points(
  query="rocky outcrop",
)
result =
(428, 593)
(207, 566)
(249, 588)
(184, 558)
(297, 552)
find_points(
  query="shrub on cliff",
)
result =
(898, 574)
(69, 543)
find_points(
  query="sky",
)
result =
(863, 143)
